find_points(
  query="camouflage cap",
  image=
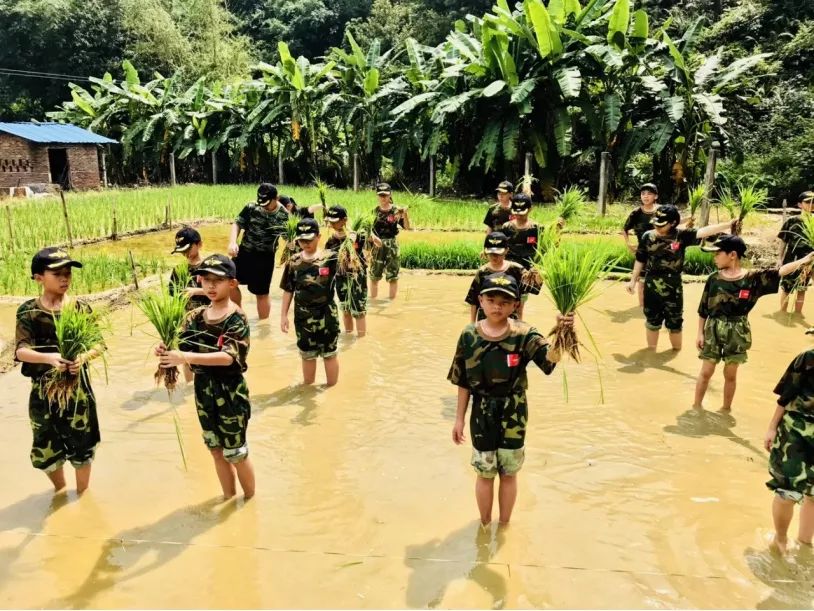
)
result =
(219, 265)
(307, 229)
(505, 187)
(496, 243)
(500, 282)
(727, 243)
(521, 203)
(666, 215)
(383, 188)
(185, 238)
(50, 259)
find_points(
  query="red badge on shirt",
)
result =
(674, 246)
(512, 217)
(324, 271)
(744, 294)
(512, 360)
(532, 239)
(391, 218)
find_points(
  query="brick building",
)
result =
(42, 154)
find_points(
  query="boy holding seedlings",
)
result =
(215, 344)
(495, 248)
(661, 255)
(794, 247)
(640, 221)
(500, 213)
(351, 282)
(188, 242)
(262, 224)
(308, 279)
(490, 366)
(729, 295)
(790, 443)
(385, 258)
(60, 434)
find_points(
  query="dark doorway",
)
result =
(60, 170)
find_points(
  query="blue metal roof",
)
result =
(53, 133)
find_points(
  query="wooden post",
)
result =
(115, 233)
(172, 169)
(104, 168)
(10, 230)
(432, 176)
(527, 166)
(280, 175)
(133, 268)
(604, 177)
(67, 220)
(709, 182)
(214, 168)
(785, 210)
(355, 172)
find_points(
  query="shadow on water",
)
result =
(645, 358)
(702, 423)
(159, 542)
(788, 319)
(302, 395)
(436, 564)
(620, 316)
(790, 578)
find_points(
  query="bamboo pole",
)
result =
(133, 268)
(604, 176)
(280, 174)
(785, 209)
(214, 168)
(67, 220)
(355, 172)
(10, 230)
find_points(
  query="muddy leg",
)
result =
(702, 383)
(245, 475)
(675, 340)
(784, 301)
(309, 371)
(485, 494)
(798, 305)
(394, 289)
(361, 326)
(331, 370)
(263, 306)
(506, 497)
(652, 338)
(82, 478)
(782, 512)
(374, 289)
(730, 383)
(347, 319)
(225, 471)
(806, 531)
(57, 478)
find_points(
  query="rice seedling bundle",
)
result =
(78, 330)
(166, 312)
(696, 197)
(806, 236)
(748, 199)
(570, 203)
(290, 236)
(348, 261)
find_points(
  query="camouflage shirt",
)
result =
(497, 216)
(35, 330)
(261, 229)
(514, 269)
(490, 367)
(735, 298)
(639, 222)
(334, 242)
(522, 242)
(229, 334)
(195, 301)
(795, 389)
(664, 255)
(387, 222)
(311, 282)
(792, 234)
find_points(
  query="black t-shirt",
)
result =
(792, 234)
(639, 222)
(387, 223)
(497, 216)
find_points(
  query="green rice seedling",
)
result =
(751, 198)
(348, 261)
(805, 235)
(78, 330)
(570, 203)
(166, 312)
(290, 236)
(322, 192)
(728, 201)
(696, 197)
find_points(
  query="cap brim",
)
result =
(181, 248)
(502, 190)
(65, 263)
(495, 251)
(495, 289)
(520, 212)
(307, 236)
(658, 224)
(383, 192)
(710, 248)
(334, 219)
(210, 270)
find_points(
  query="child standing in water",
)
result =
(308, 279)
(385, 257)
(500, 213)
(640, 221)
(729, 295)
(795, 247)
(790, 442)
(188, 242)
(60, 435)
(495, 248)
(350, 288)
(490, 366)
(661, 255)
(215, 344)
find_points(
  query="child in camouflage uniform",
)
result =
(795, 247)
(215, 344)
(661, 255)
(308, 279)
(59, 434)
(262, 224)
(188, 242)
(490, 366)
(495, 248)
(350, 288)
(522, 232)
(640, 221)
(385, 257)
(729, 295)
(790, 442)
(500, 213)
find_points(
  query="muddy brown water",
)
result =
(364, 501)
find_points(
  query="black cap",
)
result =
(649, 186)
(307, 229)
(806, 197)
(265, 193)
(500, 282)
(184, 238)
(335, 214)
(51, 258)
(727, 243)
(665, 215)
(496, 243)
(219, 265)
(383, 189)
(521, 203)
(505, 187)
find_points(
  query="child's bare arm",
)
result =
(793, 266)
(458, 435)
(286, 305)
(634, 278)
(771, 433)
(699, 340)
(29, 355)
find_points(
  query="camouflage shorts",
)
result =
(795, 282)
(501, 461)
(726, 340)
(791, 460)
(70, 434)
(664, 303)
(352, 293)
(224, 411)
(317, 331)
(385, 261)
(498, 422)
